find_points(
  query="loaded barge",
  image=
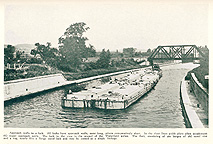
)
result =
(117, 93)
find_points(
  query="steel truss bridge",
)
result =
(176, 52)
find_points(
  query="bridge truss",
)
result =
(176, 52)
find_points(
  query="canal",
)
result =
(160, 108)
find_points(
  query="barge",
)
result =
(117, 93)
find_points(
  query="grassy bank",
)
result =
(95, 72)
(200, 72)
(40, 70)
(28, 72)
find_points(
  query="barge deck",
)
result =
(116, 94)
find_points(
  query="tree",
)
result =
(48, 54)
(73, 45)
(116, 54)
(18, 55)
(129, 52)
(9, 54)
(90, 51)
(104, 59)
(149, 50)
(138, 54)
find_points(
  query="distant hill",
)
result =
(25, 47)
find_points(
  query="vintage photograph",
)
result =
(106, 64)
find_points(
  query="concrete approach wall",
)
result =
(17, 88)
(22, 87)
(200, 92)
(190, 116)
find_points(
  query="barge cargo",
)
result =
(116, 94)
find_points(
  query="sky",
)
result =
(113, 25)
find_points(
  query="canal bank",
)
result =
(25, 87)
(194, 102)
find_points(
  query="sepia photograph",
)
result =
(125, 72)
(106, 64)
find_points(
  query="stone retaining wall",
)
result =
(200, 92)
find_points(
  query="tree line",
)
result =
(71, 53)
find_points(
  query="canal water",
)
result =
(160, 108)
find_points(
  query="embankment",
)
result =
(200, 92)
(17, 88)
(22, 87)
(189, 109)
